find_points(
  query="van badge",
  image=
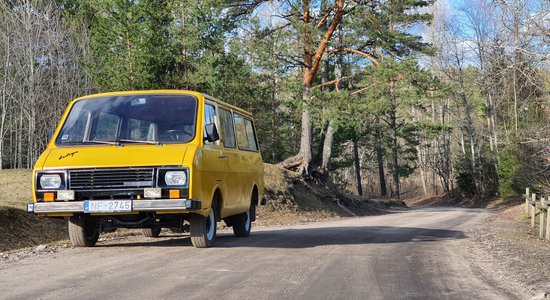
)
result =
(70, 154)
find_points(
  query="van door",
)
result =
(234, 181)
(212, 163)
(217, 165)
(249, 158)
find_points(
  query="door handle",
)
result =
(222, 156)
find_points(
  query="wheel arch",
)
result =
(255, 191)
(217, 196)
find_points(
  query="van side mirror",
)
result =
(50, 134)
(211, 132)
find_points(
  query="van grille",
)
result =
(103, 179)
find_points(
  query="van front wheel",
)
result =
(203, 229)
(83, 230)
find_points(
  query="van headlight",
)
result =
(50, 181)
(175, 178)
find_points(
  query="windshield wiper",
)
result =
(101, 142)
(140, 142)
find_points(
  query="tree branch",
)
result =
(350, 50)
(324, 17)
(359, 91)
(328, 34)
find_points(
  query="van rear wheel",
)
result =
(151, 232)
(83, 230)
(242, 223)
(203, 229)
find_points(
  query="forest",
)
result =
(385, 98)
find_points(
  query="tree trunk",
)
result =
(356, 162)
(394, 155)
(327, 147)
(273, 101)
(305, 138)
(422, 172)
(469, 131)
(4, 99)
(331, 130)
(184, 51)
(312, 58)
(380, 157)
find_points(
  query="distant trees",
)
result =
(493, 56)
(40, 69)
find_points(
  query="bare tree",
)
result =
(40, 72)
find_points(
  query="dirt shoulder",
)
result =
(505, 248)
(503, 244)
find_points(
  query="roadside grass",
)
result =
(289, 202)
(19, 229)
(15, 187)
(455, 199)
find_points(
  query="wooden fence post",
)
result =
(527, 201)
(533, 211)
(547, 206)
(541, 218)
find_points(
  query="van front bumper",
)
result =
(137, 205)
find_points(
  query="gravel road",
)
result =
(414, 254)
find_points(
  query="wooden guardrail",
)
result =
(538, 206)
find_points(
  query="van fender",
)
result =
(254, 185)
(217, 187)
(261, 198)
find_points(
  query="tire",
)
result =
(83, 230)
(242, 223)
(151, 232)
(203, 229)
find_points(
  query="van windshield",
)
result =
(135, 119)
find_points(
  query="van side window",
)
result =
(227, 129)
(246, 137)
(209, 118)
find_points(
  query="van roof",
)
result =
(188, 92)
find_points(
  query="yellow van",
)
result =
(151, 160)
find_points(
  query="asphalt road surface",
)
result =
(416, 254)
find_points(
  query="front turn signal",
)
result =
(174, 194)
(49, 197)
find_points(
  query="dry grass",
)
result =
(19, 229)
(291, 200)
(15, 187)
(478, 201)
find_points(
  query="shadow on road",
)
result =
(312, 237)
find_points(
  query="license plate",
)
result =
(104, 206)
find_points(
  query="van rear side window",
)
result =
(246, 137)
(228, 131)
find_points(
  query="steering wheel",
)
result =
(170, 135)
